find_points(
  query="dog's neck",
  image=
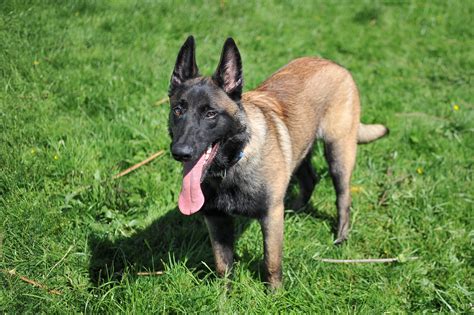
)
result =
(232, 148)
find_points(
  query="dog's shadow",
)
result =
(172, 238)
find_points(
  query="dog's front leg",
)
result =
(221, 232)
(272, 228)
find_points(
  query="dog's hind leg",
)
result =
(340, 155)
(307, 179)
(221, 231)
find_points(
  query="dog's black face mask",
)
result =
(206, 121)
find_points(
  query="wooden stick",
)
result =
(32, 282)
(370, 260)
(151, 273)
(134, 167)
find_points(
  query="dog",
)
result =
(240, 150)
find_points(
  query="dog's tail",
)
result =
(369, 133)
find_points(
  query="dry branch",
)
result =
(134, 167)
(151, 273)
(370, 260)
(32, 282)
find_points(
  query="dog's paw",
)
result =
(340, 240)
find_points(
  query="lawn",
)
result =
(82, 85)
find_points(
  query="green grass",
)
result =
(79, 85)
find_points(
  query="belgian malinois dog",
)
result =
(239, 151)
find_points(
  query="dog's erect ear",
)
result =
(229, 71)
(185, 67)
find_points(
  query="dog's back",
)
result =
(314, 98)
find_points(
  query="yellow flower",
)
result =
(356, 189)
(36, 62)
(419, 170)
(33, 151)
(456, 107)
(56, 157)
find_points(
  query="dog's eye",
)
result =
(177, 111)
(211, 114)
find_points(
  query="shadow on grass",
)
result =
(320, 216)
(171, 238)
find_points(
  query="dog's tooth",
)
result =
(209, 149)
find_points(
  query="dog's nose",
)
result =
(182, 152)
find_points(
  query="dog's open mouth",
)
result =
(191, 197)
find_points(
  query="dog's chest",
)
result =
(235, 194)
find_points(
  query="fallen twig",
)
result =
(134, 167)
(29, 281)
(370, 260)
(151, 273)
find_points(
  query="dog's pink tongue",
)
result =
(191, 197)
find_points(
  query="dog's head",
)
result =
(206, 121)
